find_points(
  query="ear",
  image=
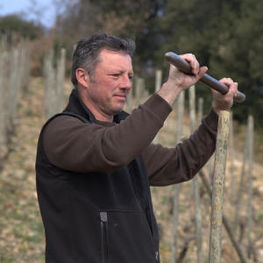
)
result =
(82, 77)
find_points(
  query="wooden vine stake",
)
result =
(196, 190)
(241, 184)
(231, 159)
(177, 187)
(250, 183)
(158, 83)
(158, 79)
(218, 187)
(230, 233)
(54, 82)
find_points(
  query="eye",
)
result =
(115, 75)
(131, 76)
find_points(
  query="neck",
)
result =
(102, 117)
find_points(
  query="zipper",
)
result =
(104, 236)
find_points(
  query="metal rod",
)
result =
(184, 66)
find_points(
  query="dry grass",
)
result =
(21, 233)
(21, 230)
(162, 199)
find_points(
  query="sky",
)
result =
(38, 10)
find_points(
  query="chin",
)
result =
(117, 110)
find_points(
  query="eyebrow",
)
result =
(119, 72)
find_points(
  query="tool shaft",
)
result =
(184, 66)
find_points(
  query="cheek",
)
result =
(104, 94)
(104, 89)
(108, 87)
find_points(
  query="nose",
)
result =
(126, 82)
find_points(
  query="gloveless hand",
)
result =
(225, 102)
(179, 81)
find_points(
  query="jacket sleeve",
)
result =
(167, 166)
(103, 147)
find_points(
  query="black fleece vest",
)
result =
(95, 217)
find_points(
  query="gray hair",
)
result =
(86, 54)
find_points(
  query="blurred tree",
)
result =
(220, 33)
(126, 18)
(15, 24)
(121, 17)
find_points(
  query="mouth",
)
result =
(121, 97)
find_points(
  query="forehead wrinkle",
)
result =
(107, 63)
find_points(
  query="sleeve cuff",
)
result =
(211, 120)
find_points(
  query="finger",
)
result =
(202, 71)
(217, 93)
(226, 81)
(194, 64)
(234, 88)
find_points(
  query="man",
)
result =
(95, 162)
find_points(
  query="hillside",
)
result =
(21, 231)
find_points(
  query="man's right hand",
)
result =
(179, 81)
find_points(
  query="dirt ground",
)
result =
(21, 230)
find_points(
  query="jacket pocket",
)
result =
(126, 237)
(104, 237)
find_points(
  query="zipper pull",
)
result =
(157, 256)
(104, 217)
(104, 236)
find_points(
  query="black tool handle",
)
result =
(184, 66)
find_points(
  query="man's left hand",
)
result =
(225, 102)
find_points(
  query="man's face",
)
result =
(107, 91)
